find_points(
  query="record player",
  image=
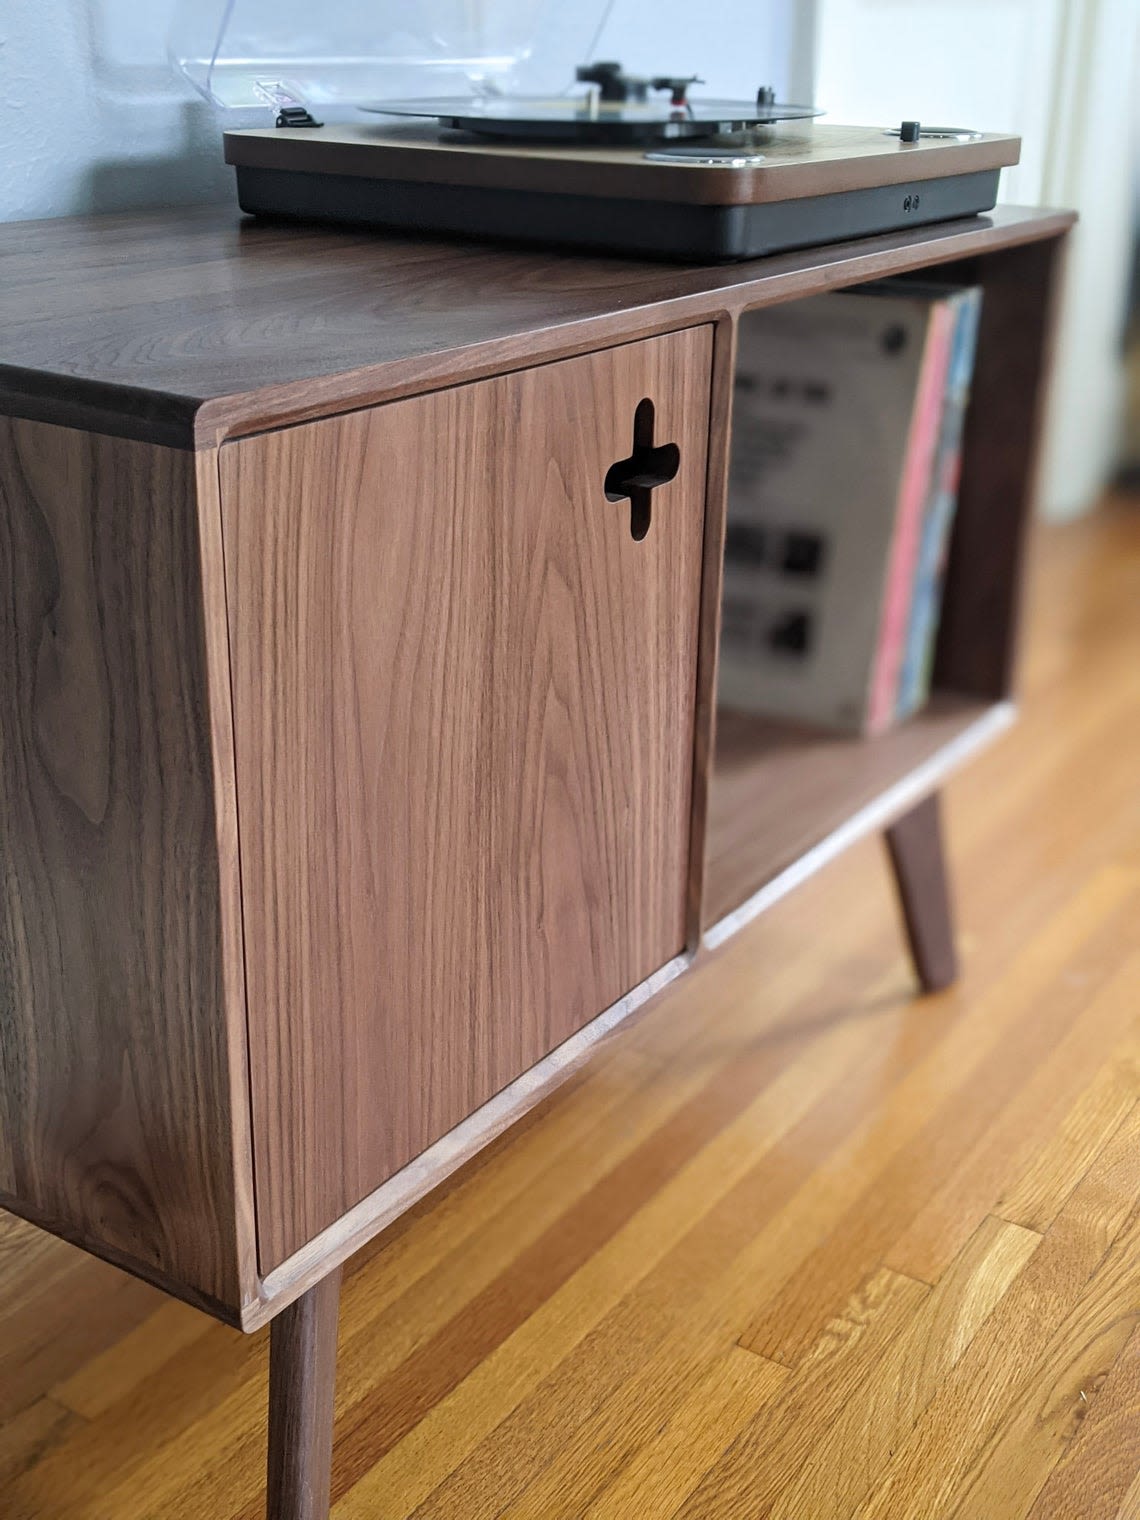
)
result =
(616, 161)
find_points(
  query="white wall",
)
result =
(1090, 166)
(1062, 73)
(91, 116)
(986, 64)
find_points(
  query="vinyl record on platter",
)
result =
(588, 119)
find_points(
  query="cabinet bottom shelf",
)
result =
(786, 798)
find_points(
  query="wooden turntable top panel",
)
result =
(799, 160)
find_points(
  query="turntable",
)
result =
(616, 162)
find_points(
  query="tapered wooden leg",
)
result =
(915, 846)
(302, 1377)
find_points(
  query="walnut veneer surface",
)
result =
(348, 768)
(464, 720)
(180, 326)
(119, 1099)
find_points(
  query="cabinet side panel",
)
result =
(463, 699)
(977, 636)
(115, 1113)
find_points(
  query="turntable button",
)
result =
(910, 131)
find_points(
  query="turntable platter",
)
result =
(590, 119)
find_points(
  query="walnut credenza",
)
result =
(358, 627)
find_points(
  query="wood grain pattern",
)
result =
(37, 1277)
(302, 1383)
(755, 850)
(935, 1235)
(750, 1474)
(464, 718)
(183, 326)
(1038, 1195)
(1096, 1476)
(881, 1412)
(192, 263)
(800, 159)
(668, 1467)
(100, 1382)
(779, 787)
(345, 1236)
(1026, 1019)
(557, 1328)
(708, 645)
(914, 845)
(978, 628)
(116, 1110)
(28, 1436)
(1082, 1274)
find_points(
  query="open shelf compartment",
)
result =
(784, 797)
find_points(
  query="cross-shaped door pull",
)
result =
(649, 465)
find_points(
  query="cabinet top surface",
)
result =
(183, 326)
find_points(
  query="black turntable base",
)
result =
(701, 181)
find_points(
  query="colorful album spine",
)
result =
(914, 683)
(919, 462)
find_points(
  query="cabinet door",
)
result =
(463, 705)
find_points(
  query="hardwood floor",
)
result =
(796, 1245)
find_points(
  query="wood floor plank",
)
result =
(580, 1239)
(117, 1372)
(214, 1468)
(1092, 1479)
(58, 1308)
(1130, 1504)
(1057, 1391)
(667, 1469)
(27, 1437)
(749, 1476)
(885, 1409)
(701, 1293)
(382, 1332)
(936, 1463)
(698, 1293)
(1034, 1111)
(927, 1126)
(105, 1456)
(1039, 1194)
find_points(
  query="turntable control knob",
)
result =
(910, 131)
